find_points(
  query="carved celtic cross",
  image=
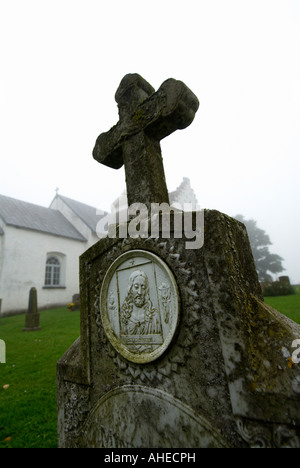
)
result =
(145, 118)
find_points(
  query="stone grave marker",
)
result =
(76, 301)
(2, 352)
(177, 348)
(32, 317)
(284, 280)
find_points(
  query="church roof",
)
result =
(37, 218)
(88, 214)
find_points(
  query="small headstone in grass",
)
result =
(2, 352)
(32, 318)
(76, 301)
(284, 280)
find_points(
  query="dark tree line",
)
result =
(265, 261)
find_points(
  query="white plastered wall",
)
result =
(23, 255)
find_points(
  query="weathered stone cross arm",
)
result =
(145, 118)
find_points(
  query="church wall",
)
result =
(24, 264)
(2, 240)
(1, 255)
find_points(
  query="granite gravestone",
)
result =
(177, 348)
(32, 318)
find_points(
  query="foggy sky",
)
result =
(62, 61)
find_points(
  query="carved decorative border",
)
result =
(76, 406)
(258, 435)
(168, 251)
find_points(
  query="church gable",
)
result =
(184, 194)
(84, 217)
(88, 214)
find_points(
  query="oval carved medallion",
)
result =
(139, 304)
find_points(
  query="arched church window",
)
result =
(52, 275)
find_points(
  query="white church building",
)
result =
(40, 247)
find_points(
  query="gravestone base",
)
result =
(222, 376)
(32, 322)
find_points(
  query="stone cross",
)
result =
(145, 118)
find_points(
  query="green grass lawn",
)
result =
(28, 415)
(287, 305)
(28, 406)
